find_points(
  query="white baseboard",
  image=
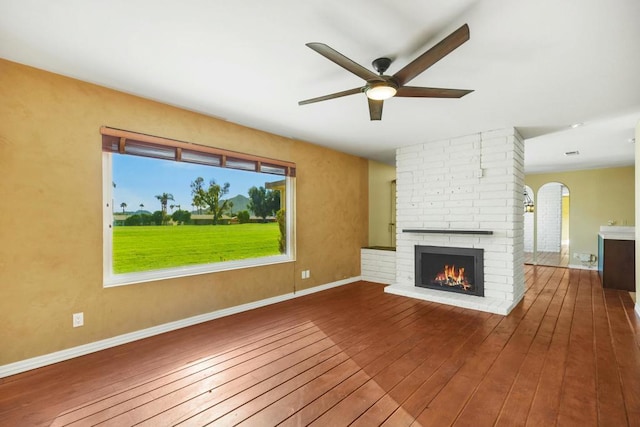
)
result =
(637, 309)
(378, 279)
(70, 353)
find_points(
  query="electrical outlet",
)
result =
(308, 273)
(583, 257)
(78, 319)
(305, 274)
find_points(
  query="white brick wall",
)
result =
(471, 182)
(549, 212)
(378, 265)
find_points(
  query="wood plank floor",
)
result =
(551, 259)
(568, 355)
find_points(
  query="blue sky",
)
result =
(139, 179)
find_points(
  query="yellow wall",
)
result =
(380, 200)
(51, 232)
(595, 197)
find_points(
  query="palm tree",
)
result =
(141, 205)
(164, 198)
(123, 205)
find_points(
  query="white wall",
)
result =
(549, 217)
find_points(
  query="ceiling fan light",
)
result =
(380, 91)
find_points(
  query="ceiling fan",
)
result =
(380, 86)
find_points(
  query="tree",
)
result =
(132, 220)
(158, 217)
(282, 225)
(123, 205)
(243, 217)
(164, 198)
(211, 197)
(146, 219)
(263, 202)
(197, 186)
(141, 206)
(181, 217)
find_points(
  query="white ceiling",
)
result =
(538, 65)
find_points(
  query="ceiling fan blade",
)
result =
(375, 109)
(331, 96)
(430, 92)
(343, 61)
(433, 55)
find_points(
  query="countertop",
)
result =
(613, 232)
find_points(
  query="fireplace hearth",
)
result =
(450, 269)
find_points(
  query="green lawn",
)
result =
(143, 248)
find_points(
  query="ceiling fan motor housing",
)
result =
(381, 65)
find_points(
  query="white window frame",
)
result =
(110, 279)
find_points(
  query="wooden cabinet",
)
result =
(616, 263)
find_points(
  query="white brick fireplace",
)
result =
(471, 184)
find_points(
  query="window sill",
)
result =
(177, 272)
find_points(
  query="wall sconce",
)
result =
(528, 203)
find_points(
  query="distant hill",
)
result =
(240, 203)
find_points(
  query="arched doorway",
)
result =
(551, 244)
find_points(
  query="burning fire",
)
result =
(452, 276)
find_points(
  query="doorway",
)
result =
(551, 214)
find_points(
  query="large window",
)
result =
(174, 209)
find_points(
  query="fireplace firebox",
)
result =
(450, 269)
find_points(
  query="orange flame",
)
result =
(453, 276)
